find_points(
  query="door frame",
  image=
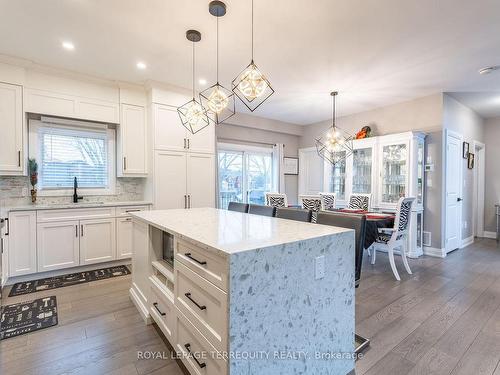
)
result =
(478, 188)
(451, 133)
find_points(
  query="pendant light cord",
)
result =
(333, 111)
(252, 30)
(193, 69)
(217, 49)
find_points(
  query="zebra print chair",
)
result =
(311, 202)
(327, 201)
(397, 237)
(359, 202)
(276, 200)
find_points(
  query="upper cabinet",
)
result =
(169, 134)
(13, 133)
(132, 141)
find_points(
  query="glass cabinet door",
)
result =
(337, 178)
(420, 172)
(394, 172)
(362, 171)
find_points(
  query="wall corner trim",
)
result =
(435, 252)
(467, 241)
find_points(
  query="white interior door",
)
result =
(170, 180)
(97, 241)
(310, 171)
(453, 191)
(201, 180)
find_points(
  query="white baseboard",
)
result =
(65, 271)
(140, 303)
(435, 252)
(487, 234)
(467, 241)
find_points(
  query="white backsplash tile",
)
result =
(11, 192)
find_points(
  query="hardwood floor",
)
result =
(443, 319)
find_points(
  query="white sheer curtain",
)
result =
(279, 175)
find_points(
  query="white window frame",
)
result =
(245, 149)
(34, 152)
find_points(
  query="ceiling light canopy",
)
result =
(193, 115)
(251, 86)
(336, 144)
(218, 100)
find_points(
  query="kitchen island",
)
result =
(246, 294)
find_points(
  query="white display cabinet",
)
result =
(387, 167)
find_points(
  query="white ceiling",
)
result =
(375, 52)
(485, 104)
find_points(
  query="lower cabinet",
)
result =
(21, 229)
(58, 245)
(124, 237)
(97, 241)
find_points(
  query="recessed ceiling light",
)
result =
(489, 69)
(202, 81)
(140, 65)
(68, 46)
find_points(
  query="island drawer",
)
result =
(203, 303)
(126, 210)
(208, 265)
(162, 310)
(199, 356)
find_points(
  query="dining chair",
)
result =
(327, 201)
(311, 202)
(276, 200)
(351, 221)
(397, 237)
(257, 209)
(238, 207)
(294, 214)
(359, 202)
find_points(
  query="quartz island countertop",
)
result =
(231, 232)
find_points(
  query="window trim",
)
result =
(34, 152)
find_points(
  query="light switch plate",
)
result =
(319, 267)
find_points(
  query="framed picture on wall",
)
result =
(470, 160)
(291, 166)
(465, 150)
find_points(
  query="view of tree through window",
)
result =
(244, 177)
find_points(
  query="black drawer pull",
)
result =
(188, 348)
(188, 295)
(157, 309)
(203, 263)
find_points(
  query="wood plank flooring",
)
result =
(443, 319)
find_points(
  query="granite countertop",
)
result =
(58, 206)
(231, 232)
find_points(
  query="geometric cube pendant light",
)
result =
(218, 100)
(335, 145)
(250, 85)
(193, 115)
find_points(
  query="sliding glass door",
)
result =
(244, 176)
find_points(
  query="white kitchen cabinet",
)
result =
(200, 180)
(124, 237)
(21, 229)
(58, 245)
(170, 180)
(132, 141)
(12, 130)
(97, 241)
(171, 135)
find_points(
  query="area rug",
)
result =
(25, 317)
(67, 280)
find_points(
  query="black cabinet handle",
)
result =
(8, 226)
(202, 263)
(157, 309)
(189, 201)
(81, 230)
(76, 230)
(201, 364)
(124, 163)
(188, 295)
(19, 158)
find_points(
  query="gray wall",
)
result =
(492, 180)
(463, 120)
(423, 114)
(246, 134)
